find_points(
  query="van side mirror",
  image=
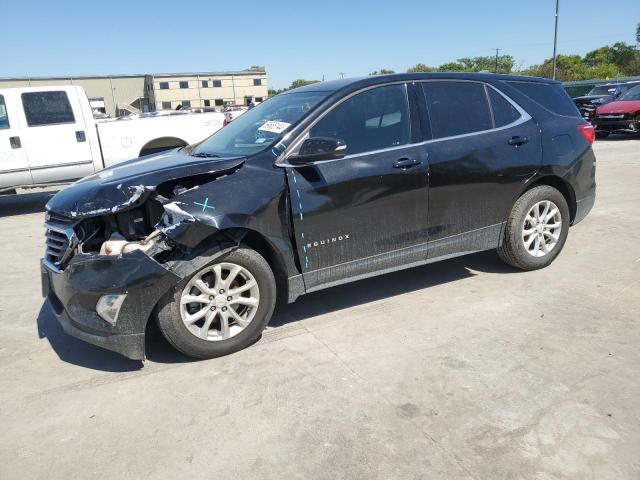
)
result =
(317, 149)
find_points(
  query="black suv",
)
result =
(316, 187)
(601, 95)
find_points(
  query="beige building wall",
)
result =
(220, 89)
(123, 91)
(123, 94)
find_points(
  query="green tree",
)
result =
(573, 67)
(421, 68)
(301, 83)
(619, 54)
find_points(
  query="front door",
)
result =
(14, 167)
(367, 211)
(56, 138)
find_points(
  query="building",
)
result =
(118, 95)
(115, 95)
(207, 89)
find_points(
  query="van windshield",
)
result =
(633, 94)
(603, 90)
(260, 127)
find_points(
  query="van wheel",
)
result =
(221, 308)
(536, 230)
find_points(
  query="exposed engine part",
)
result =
(118, 245)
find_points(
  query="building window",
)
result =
(186, 103)
(205, 84)
(258, 100)
(216, 83)
(164, 85)
(184, 84)
(257, 82)
(166, 105)
(219, 102)
(207, 103)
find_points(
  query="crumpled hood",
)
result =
(620, 106)
(128, 184)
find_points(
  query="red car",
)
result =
(623, 115)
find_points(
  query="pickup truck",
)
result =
(48, 136)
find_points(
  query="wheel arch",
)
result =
(562, 186)
(161, 143)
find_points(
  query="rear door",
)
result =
(55, 135)
(367, 211)
(484, 149)
(14, 167)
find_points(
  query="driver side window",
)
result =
(371, 120)
(4, 117)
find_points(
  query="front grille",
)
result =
(56, 218)
(60, 240)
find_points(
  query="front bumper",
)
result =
(616, 125)
(74, 292)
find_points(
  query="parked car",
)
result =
(317, 187)
(622, 116)
(48, 135)
(601, 95)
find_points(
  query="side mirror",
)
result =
(317, 149)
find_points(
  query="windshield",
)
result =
(633, 94)
(603, 90)
(259, 127)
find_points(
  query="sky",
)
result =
(323, 39)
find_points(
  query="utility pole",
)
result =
(555, 40)
(497, 55)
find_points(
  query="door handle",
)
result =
(15, 142)
(517, 141)
(405, 163)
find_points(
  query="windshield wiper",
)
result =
(205, 155)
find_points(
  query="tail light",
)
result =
(588, 132)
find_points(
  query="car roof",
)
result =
(359, 82)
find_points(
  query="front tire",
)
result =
(221, 308)
(536, 230)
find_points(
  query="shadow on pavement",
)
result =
(158, 350)
(617, 137)
(24, 203)
(389, 285)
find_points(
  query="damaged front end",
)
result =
(112, 245)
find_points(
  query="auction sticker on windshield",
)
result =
(274, 126)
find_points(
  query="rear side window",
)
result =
(4, 117)
(456, 108)
(503, 112)
(47, 108)
(371, 120)
(549, 95)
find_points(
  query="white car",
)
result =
(48, 136)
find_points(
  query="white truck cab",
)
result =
(48, 136)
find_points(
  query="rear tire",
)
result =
(219, 330)
(536, 229)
